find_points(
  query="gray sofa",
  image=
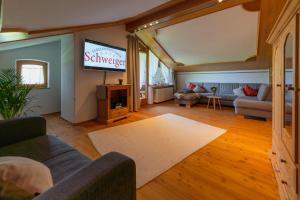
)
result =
(248, 106)
(111, 177)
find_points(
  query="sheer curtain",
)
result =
(153, 65)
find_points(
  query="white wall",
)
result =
(67, 78)
(86, 80)
(241, 76)
(45, 100)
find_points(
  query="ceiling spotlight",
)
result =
(220, 1)
(145, 26)
(150, 24)
(156, 22)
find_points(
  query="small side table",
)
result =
(214, 99)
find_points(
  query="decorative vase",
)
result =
(120, 81)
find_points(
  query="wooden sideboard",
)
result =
(113, 102)
(285, 139)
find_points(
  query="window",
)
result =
(143, 74)
(153, 65)
(159, 73)
(33, 73)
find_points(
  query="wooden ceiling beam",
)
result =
(200, 12)
(170, 9)
(182, 11)
(147, 37)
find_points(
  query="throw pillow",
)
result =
(249, 91)
(27, 176)
(199, 89)
(239, 92)
(262, 92)
(191, 86)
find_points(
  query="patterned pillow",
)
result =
(191, 86)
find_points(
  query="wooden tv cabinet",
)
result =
(113, 102)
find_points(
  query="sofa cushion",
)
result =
(199, 89)
(239, 92)
(253, 85)
(249, 91)
(207, 87)
(191, 86)
(228, 97)
(263, 92)
(227, 88)
(253, 104)
(40, 148)
(66, 164)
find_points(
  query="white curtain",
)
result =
(153, 65)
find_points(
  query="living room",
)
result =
(149, 100)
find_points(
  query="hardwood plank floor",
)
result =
(234, 166)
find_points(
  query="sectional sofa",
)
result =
(244, 105)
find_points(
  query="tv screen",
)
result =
(103, 56)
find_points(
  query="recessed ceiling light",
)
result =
(156, 22)
(150, 24)
(145, 26)
(220, 1)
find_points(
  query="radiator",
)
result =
(163, 94)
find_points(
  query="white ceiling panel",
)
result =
(225, 36)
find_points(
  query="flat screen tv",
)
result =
(102, 56)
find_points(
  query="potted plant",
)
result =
(13, 94)
(214, 90)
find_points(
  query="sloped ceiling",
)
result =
(46, 14)
(225, 36)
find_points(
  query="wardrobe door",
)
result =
(289, 99)
(277, 90)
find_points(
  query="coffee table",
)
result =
(214, 100)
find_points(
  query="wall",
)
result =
(45, 100)
(86, 80)
(241, 76)
(67, 78)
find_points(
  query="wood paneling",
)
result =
(79, 28)
(268, 16)
(234, 166)
(226, 66)
(149, 39)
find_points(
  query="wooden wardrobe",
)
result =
(284, 38)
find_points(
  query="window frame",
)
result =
(45, 65)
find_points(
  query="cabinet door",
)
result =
(277, 90)
(289, 98)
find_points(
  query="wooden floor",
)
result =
(234, 166)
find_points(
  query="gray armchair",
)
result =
(111, 177)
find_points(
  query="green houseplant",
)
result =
(214, 90)
(13, 94)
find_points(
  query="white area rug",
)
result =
(155, 144)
